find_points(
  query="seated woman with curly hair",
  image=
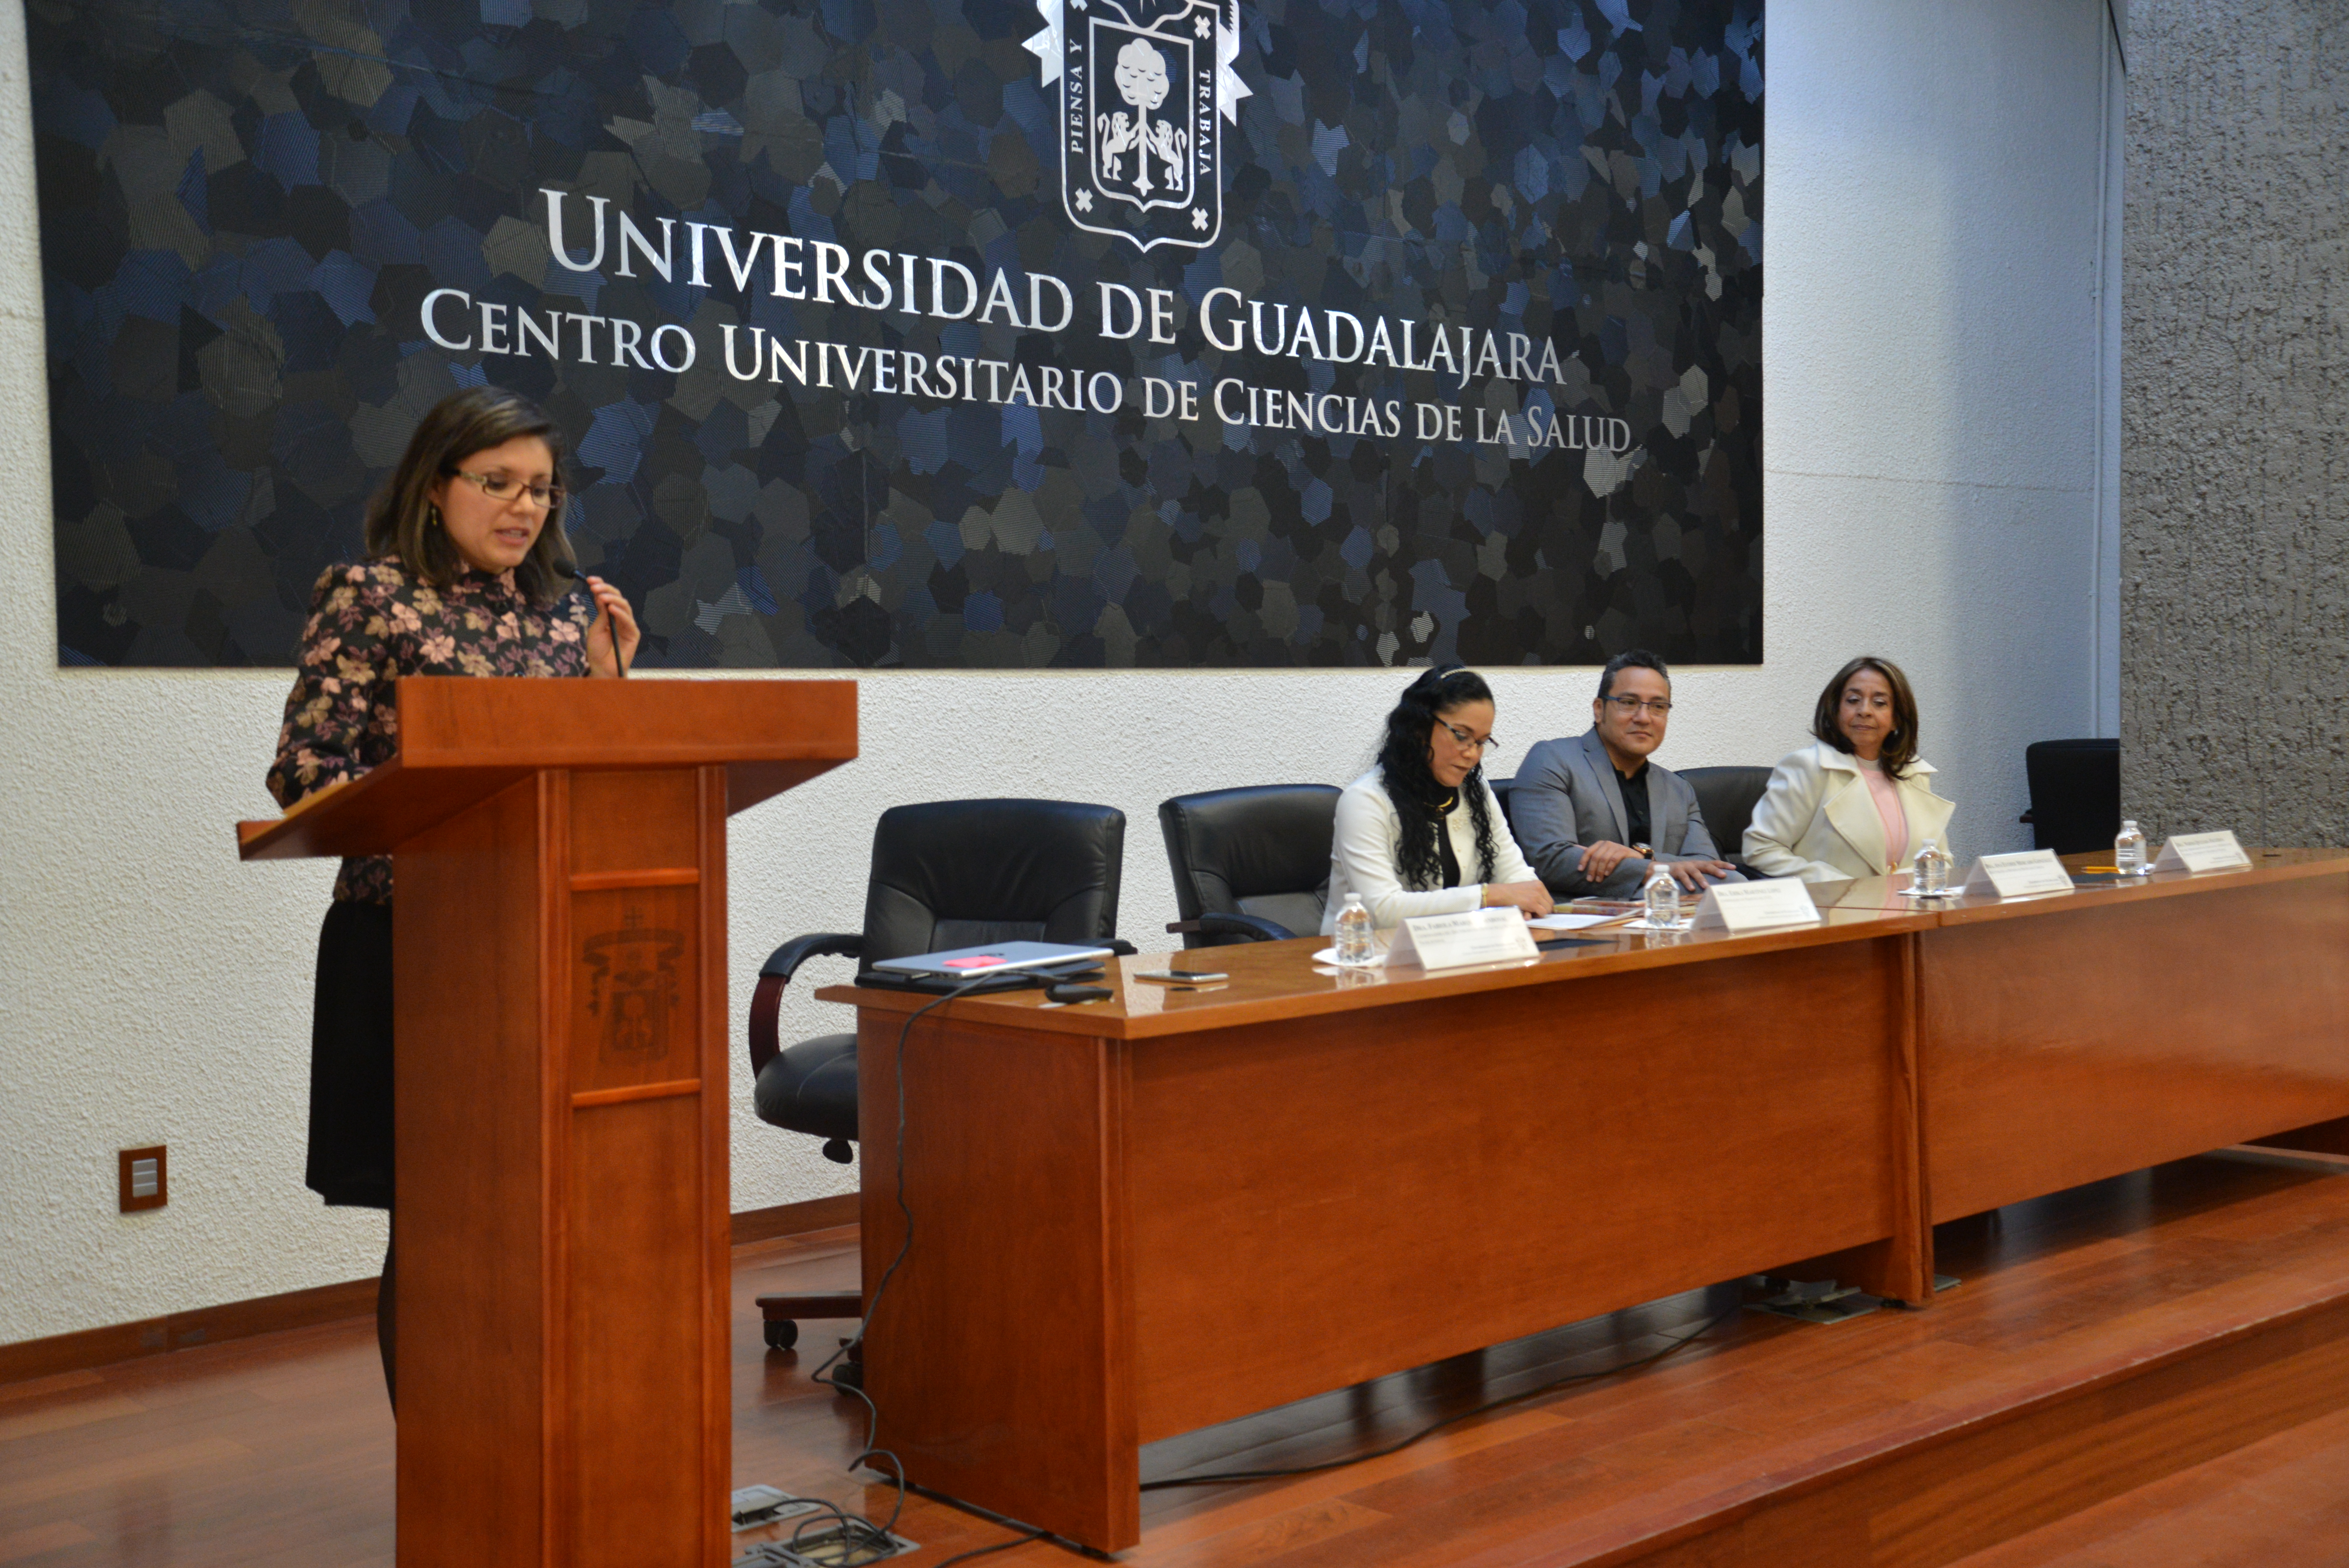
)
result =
(1411, 831)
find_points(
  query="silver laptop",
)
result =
(996, 957)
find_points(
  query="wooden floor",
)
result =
(278, 1451)
(2281, 1502)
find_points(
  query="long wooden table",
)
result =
(1332, 1176)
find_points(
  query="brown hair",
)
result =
(402, 520)
(1900, 746)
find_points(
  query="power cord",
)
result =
(1428, 1431)
(1025, 1532)
(858, 1533)
(998, 1546)
(990, 980)
(905, 1210)
(860, 1539)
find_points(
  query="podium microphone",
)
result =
(618, 664)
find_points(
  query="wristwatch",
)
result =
(1643, 851)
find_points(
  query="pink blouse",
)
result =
(1887, 795)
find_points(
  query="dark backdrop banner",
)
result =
(964, 334)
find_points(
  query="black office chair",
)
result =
(952, 873)
(1727, 796)
(1501, 788)
(2076, 794)
(1250, 865)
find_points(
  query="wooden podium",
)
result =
(561, 1098)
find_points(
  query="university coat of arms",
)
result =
(1145, 86)
(631, 988)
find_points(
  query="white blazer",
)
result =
(1818, 821)
(1362, 857)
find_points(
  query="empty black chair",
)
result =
(2076, 794)
(1252, 864)
(1726, 797)
(952, 873)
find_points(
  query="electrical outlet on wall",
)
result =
(146, 1182)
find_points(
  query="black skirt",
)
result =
(350, 1059)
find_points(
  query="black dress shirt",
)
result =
(1636, 829)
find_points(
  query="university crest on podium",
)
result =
(631, 988)
(1145, 86)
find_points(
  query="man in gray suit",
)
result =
(1594, 815)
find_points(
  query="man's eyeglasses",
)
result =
(1465, 739)
(1628, 706)
(504, 486)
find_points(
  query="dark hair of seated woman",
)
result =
(1419, 800)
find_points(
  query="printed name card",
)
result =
(2202, 853)
(1447, 941)
(1741, 907)
(2015, 875)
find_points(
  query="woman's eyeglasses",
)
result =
(504, 487)
(1465, 739)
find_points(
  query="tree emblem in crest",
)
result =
(1145, 88)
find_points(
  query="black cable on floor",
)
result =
(905, 1241)
(854, 1528)
(861, 1540)
(998, 1546)
(1431, 1430)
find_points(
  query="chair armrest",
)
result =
(1250, 927)
(785, 962)
(767, 1001)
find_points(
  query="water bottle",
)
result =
(1929, 876)
(1662, 894)
(2129, 851)
(1355, 942)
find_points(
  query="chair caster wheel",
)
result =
(781, 1333)
(848, 1374)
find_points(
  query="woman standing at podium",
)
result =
(467, 573)
(1422, 833)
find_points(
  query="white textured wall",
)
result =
(1934, 379)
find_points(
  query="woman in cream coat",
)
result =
(1860, 802)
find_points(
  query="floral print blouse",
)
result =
(373, 622)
